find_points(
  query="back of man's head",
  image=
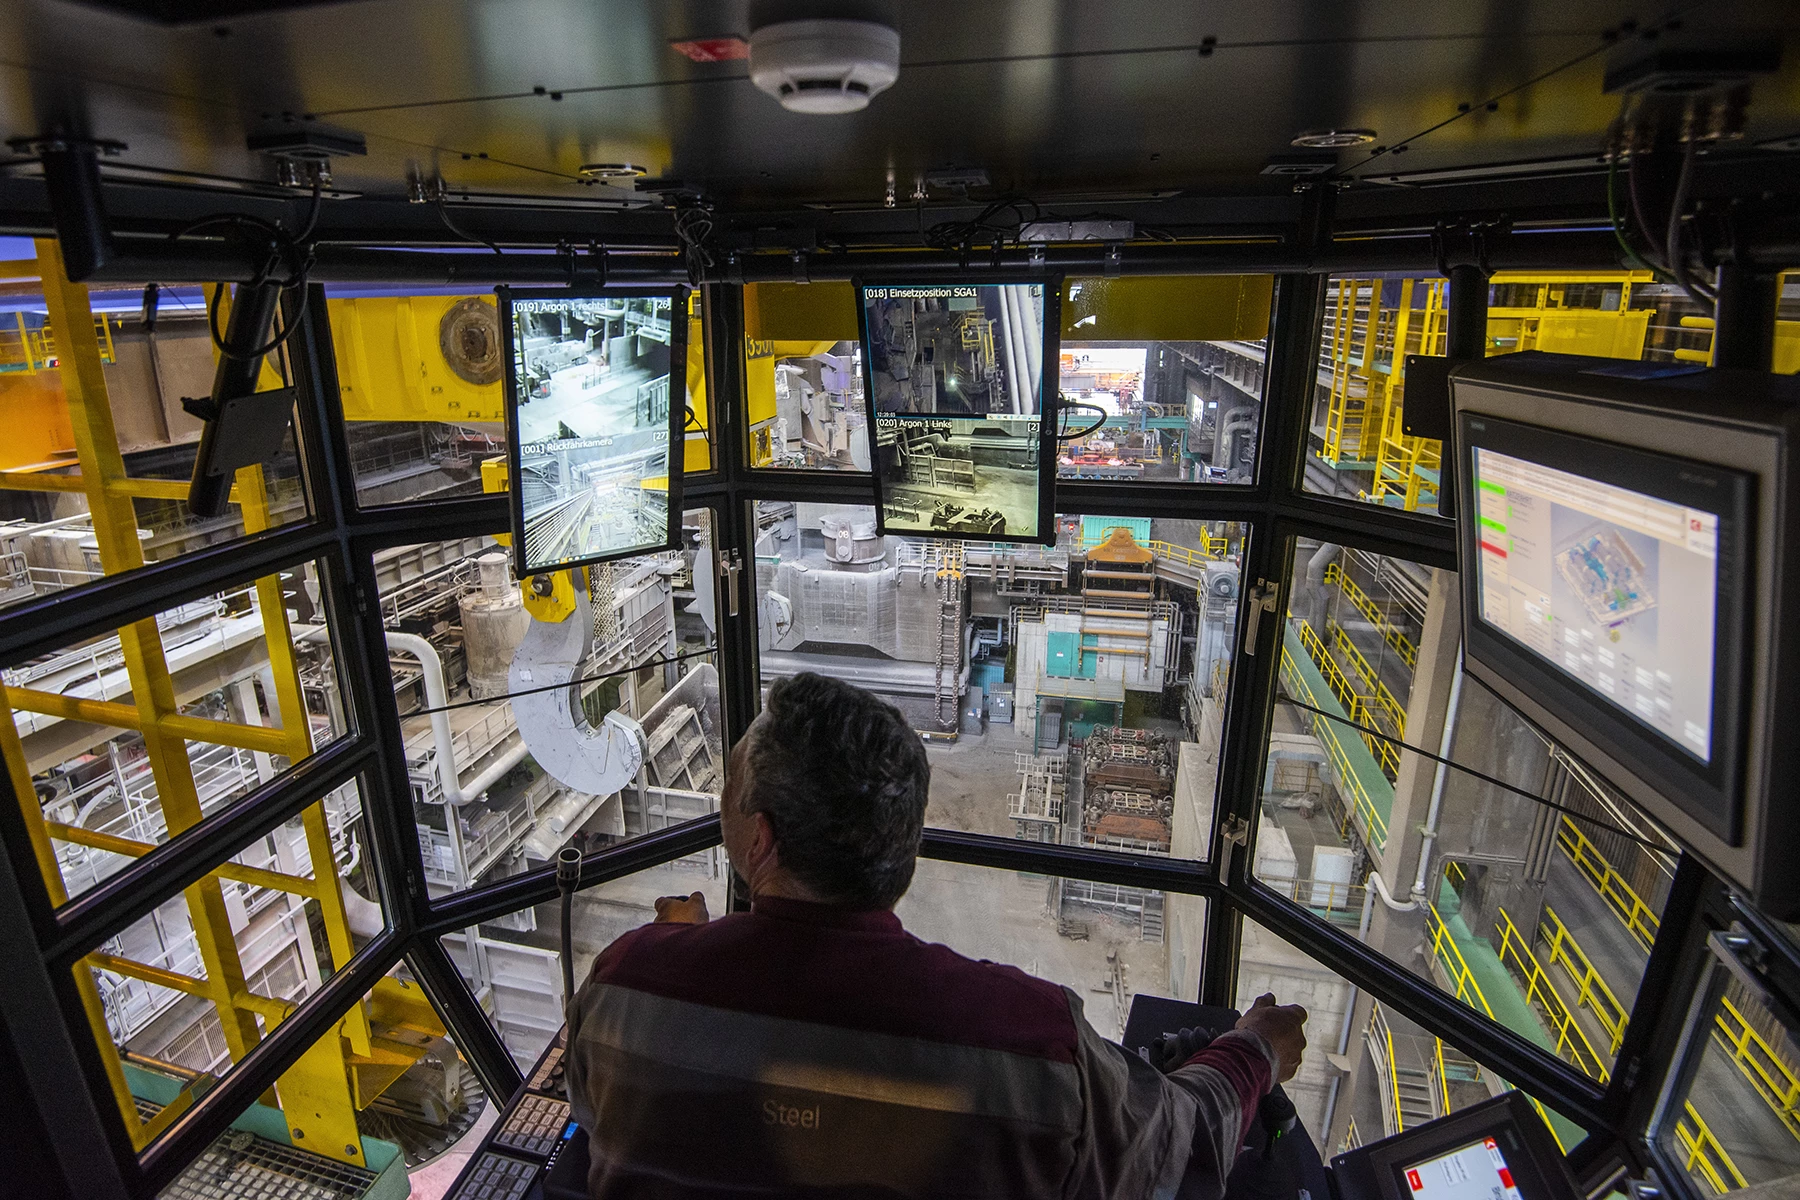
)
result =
(843, 781)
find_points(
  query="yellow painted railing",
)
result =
(1591, 991)
(1329, 735)
(1773, 1079)
(1356, 705)
(1572, 1043)
(1384, 698)
(1378, 1020)
(1443, 947)
(1212, 549)
(1705, 1154)
(1625, 903)
(1455, 965)
(1409, 653)
(1399, 458)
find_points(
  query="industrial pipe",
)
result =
(1021, 340)
(1008, 355)
(1034, 346)
(1437, 781)
(1315, 581)
(1376, 885)
(436, 697)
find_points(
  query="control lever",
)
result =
(568, 875)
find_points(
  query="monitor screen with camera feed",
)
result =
(595, 404)
(962, 407)
(1605, 583)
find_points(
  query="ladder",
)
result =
(947, 651)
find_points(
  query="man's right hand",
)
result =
(1280, 1023)
(682, 910)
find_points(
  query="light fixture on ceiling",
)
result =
(825, 65)
(1333, 139)
(621, 173)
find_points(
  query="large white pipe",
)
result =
(1006, 352)
(436, 697)
(1029, 326)
(1377, 885)
(1023, 400)
(1437, 782)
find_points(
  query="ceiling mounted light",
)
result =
(824, 66)
(1333, 139)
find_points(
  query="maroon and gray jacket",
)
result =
(802, 1050)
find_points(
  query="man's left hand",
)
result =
(682, 910)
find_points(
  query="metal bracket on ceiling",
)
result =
(1115, 254)
(1465, 243)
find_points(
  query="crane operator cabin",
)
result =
(482, 483)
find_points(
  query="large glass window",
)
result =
(191, 986)
(477, 690)
(513, 963)
(1369, 1072)
(94, 472)
(1734, 1124)
(419, 375)
(1169, 374)
(1065, 930)
(133, 736)
(1359, 445)
(1068, 694)
(1537, 913)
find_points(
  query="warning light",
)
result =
(714, 49)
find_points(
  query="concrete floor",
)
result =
(1004, 916)
(973, 779)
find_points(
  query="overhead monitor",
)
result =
(1622, 578)
(596, 397)
(962, 401)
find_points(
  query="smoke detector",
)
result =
(824, 66)
(1333, 139)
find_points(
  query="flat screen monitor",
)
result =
(962, 402)
(1624, 553)
(596, 397)
(1499, 1149)
(1614, 576)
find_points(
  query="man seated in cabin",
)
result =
(812, 1047)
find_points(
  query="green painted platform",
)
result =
(1350, 750)
(1501, 991)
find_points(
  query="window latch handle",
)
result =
(730, 563)
(1262, 599)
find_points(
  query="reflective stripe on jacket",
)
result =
(801, 1050)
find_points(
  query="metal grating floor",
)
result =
(242, 1166)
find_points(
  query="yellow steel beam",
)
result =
(127, 716)
(160, 977)
(130, 848)
(115, 529)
